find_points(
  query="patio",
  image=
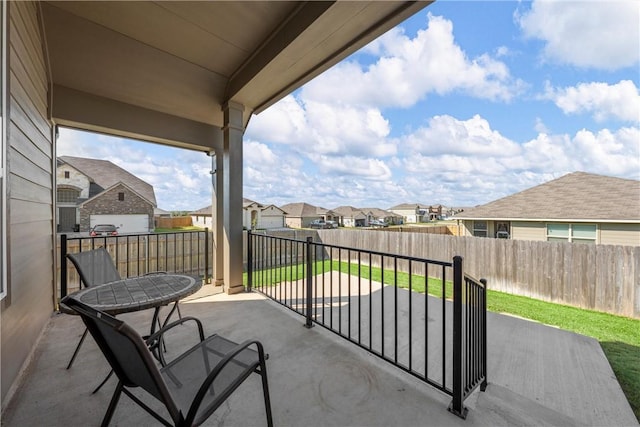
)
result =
(538, 375)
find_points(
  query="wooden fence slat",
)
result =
(597, 277)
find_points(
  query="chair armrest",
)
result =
(154, 273)
(155, 341)
(228, 357)
(160, 332)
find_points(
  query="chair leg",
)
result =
(179, 314)
(75, 352)
(103, 382)
(265, 392)
(112, 405)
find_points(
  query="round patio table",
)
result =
(136, 293)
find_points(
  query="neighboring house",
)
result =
(202, 217)
(435, 212)
(255, 216)
(447, 213)
(91, 191)
(386, 216)
(579, 207)
(348, 216)
(161, 213)
(411, 212)
(300, 215)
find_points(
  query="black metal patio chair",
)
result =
(96, 267)
(191, 386)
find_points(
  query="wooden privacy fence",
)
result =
(597, 277)
(449, 229)
(137, 254)
(174, 222)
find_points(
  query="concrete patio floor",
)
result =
(538, 375)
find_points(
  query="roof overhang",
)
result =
(162, 71)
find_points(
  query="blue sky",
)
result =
(462, 104)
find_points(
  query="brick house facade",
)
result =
(92, 190)
(117, 200)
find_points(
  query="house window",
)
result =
(121, 196)
(480, 228)
(576, 233)
(68, 195)
(66, 174)
(502, 230)
(3, 145)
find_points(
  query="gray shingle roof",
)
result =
(381, 213)
(249, 202)
(304, 210)
(346, 210)
(106, 174)
(202, 211)
(576, 196)
(407, 206)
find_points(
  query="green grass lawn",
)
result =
(619, 336)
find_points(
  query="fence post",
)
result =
(249, 261)
(63, 266)
(309, 322)
(457, 407)
(206, 255)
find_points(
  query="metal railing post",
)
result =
(483, 385)
(63, 266)
(457, 407)
(249, 261)
(206, 255)
(309, 303)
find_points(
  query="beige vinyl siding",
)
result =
(619, 234)
(522, 230)
(30, 154)
(466, 228)
(294, 222)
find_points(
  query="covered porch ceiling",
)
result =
(161, 71)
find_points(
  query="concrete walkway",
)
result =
(538, 375)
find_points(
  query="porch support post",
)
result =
(232, 196)
(217, 226)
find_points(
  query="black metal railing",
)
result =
(424, 316)
(469, 336)
(186, 252)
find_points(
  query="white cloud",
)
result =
(540, 127)
(180, 178)
(285, 123)
(368, 168)
(412, 68)
(598, 34)
(467, 160)
(619, 101)
(256, 153)
(323, 128)
(448, 135)
(609, 153)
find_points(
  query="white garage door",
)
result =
(268, 222)
(125, 223)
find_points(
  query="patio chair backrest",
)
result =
(126, 352)
(95, 267)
